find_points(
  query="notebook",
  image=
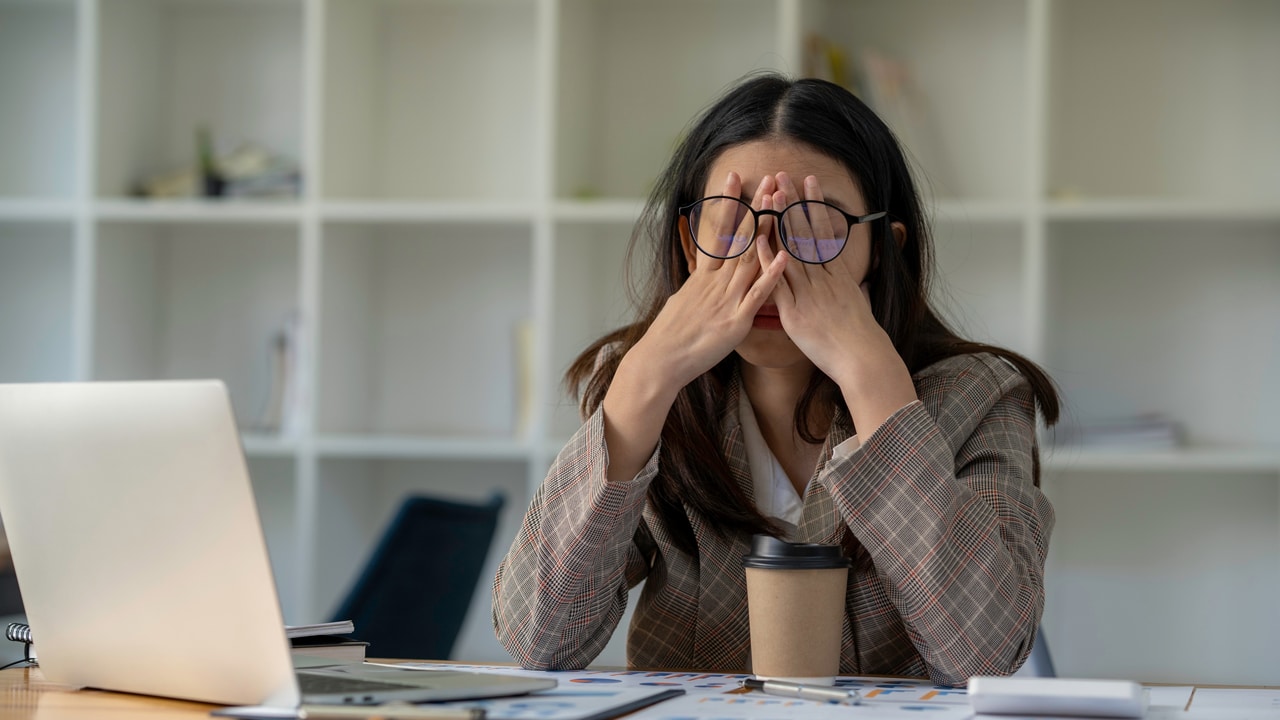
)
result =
(142, 563)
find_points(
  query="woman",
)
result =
(787, 376)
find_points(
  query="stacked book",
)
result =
(1139, 432)
(327, 640)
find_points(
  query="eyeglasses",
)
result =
(811, 231)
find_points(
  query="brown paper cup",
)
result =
(796, 609)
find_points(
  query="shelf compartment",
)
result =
(1205, 544)
(589, 300)
(169, 67)
(421, 329)
(416, 108)
(968, 125)
(619, 114)
(182, 300)
(39, 55)
(36, 292)
(980, 285)
(1164, 99)
(1176, 318)
(274, 493)
(358, 498)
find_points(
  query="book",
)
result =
(330, 647)
(338, 627)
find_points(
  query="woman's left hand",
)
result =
(826, 311)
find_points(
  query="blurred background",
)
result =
(389, 225)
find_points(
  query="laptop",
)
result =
(142, 563)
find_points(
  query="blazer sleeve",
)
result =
(562, 588)
(942, 497)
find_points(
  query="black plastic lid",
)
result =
(773, 554)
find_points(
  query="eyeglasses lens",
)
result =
(814, 232)
(722, 227)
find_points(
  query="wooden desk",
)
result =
(24, 693)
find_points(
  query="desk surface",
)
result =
(24, 693)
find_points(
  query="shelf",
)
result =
(617, 210)
(1190, 460)
(421, 328)
(980, 284)
(22, 209)
(1165, 98)
(268, 445)
(275, 495)
(1144, 210)
(167, 68)
(429, 100)
(624, 98)
(36, 271)
(963, 109)
(1174, 317)
(420, 448)
(39, 112)
(182, 301)
(199, 211)
(978, 210)
(589, 299)
(453, 211)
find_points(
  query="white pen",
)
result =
(821, 693)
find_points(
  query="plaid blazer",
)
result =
(947, 531)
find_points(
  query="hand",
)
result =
(712, 312)
(826, 311)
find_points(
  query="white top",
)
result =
(775, 496)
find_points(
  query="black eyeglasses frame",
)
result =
(850, 218)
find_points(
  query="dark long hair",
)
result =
(829, 119)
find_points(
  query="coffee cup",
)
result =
(795, 600)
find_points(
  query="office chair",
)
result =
(412, 596)
(1040, 662)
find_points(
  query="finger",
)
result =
(770, 280)
(796, 227)
(748, 263)
(826, 223)
(716, 233)
(797, 246)
(750, 227)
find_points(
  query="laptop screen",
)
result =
(137, 544)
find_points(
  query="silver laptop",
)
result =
(141, 560)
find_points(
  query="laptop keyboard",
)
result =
(311, 684)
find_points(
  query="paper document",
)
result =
(1242, 699)
(573, 703)
(758, 706)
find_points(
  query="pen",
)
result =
(821, 693)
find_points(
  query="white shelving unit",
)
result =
(1105, 181)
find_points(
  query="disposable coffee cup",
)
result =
(795, 599)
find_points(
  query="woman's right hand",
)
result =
(699, 326)
(712, 312)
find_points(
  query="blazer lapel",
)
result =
(820, 523)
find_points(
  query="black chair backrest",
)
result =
(412, 596)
